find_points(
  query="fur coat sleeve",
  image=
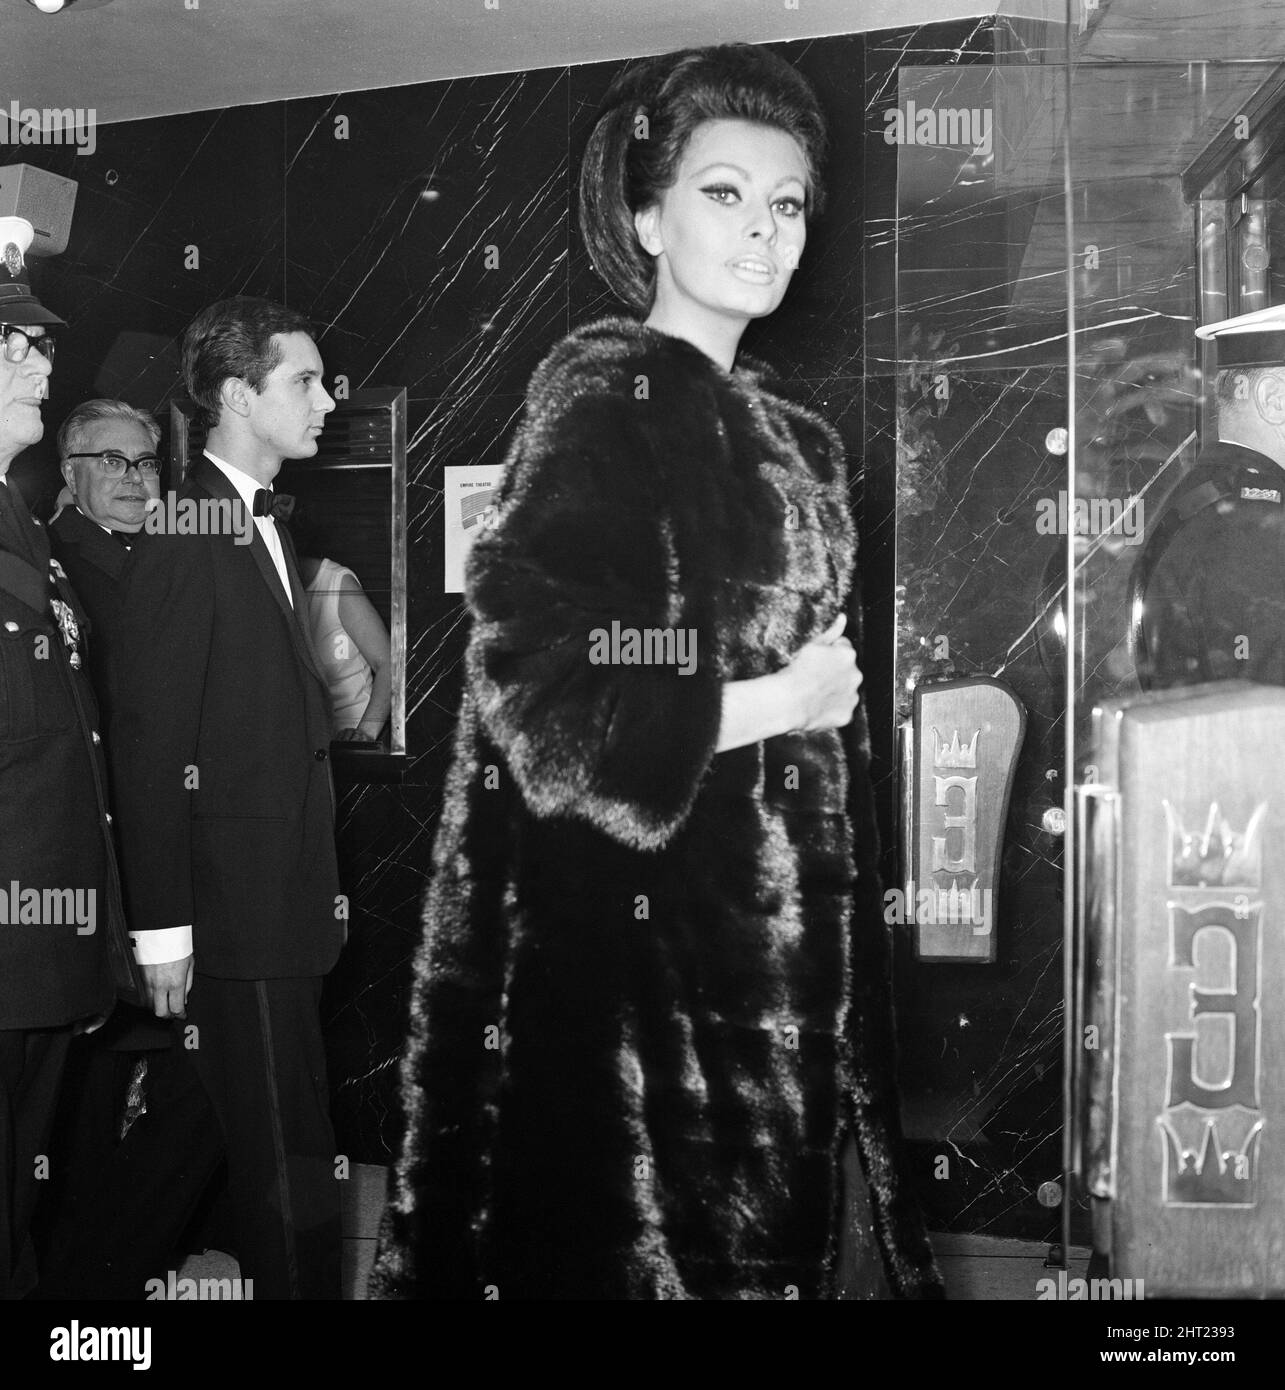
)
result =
(575, 548)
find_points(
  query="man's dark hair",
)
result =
(650, 113)
(234, 338)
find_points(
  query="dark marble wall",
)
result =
(373, 212)
(952, 485)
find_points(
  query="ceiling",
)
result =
(131, 59)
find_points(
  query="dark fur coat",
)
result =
(645, 1012)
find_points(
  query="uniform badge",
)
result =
(67, 623)
(69, 628)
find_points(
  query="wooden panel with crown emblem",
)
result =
(966, 736)
(1194, 1191)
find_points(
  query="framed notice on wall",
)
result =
(468, 506)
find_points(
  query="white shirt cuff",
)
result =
(162, 946)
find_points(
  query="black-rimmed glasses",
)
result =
(18, 343)
(115, 465)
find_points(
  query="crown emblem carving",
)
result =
(1213, 1174)
(1219, 856)
(954, 754)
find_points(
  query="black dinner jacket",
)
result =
(96, 565)
(55, 826)
(219, 744)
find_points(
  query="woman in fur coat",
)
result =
(653, 996)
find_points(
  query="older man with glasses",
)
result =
(107, 450)
(63, 950)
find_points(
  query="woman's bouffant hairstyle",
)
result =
(650, 113)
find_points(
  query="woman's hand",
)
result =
(817, 690)
(825, 679)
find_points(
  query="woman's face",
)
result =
(728, 234)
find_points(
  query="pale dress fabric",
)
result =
(348, 674)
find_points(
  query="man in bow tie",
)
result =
(63, 952)
(220, 738)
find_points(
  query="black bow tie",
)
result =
(277, 505)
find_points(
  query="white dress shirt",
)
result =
(267, 525)
(167, 944)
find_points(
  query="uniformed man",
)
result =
(63, 950)
(136, 1138)
(1208, 590)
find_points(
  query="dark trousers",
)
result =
(258, 1052)
(117, 1207)
(31, 1066)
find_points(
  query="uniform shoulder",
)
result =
(1223, 472)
